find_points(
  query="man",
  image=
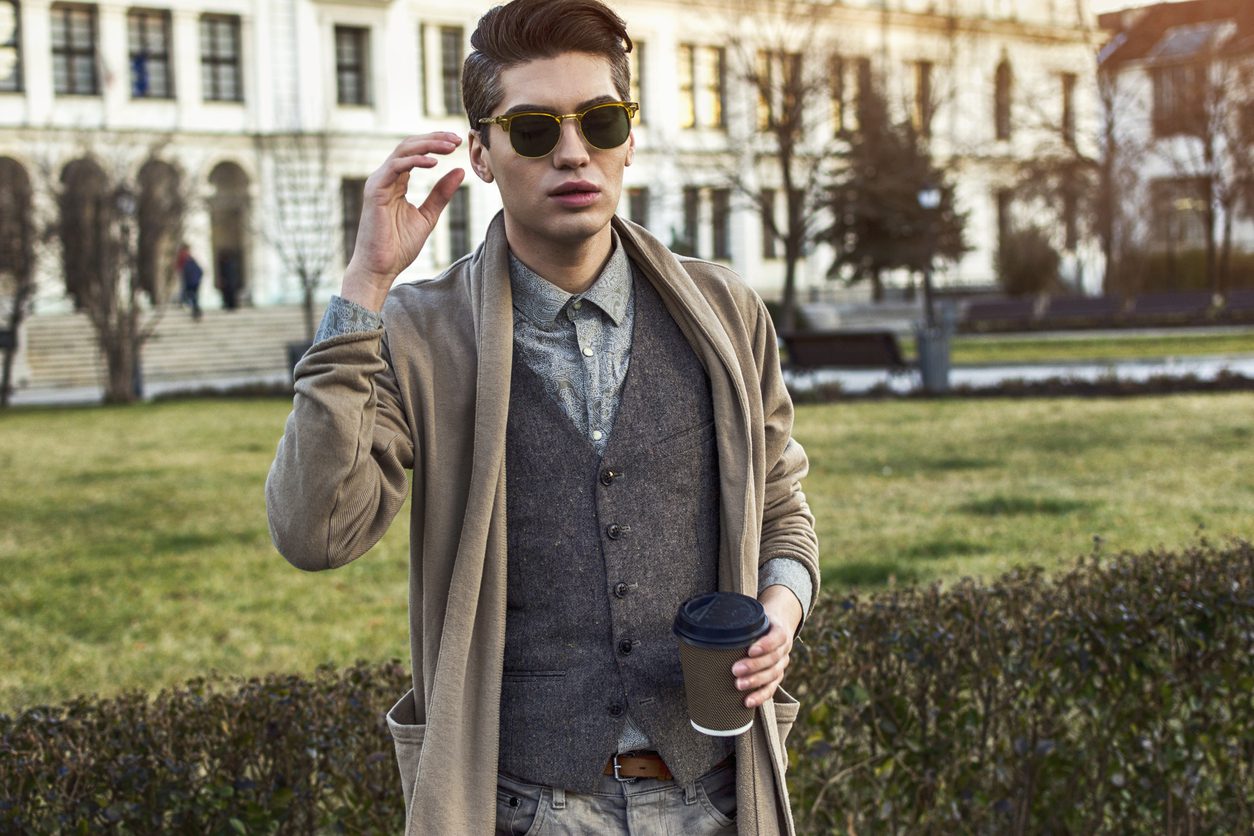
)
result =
(190, 275)
(597, 431)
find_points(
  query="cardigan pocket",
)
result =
(407, 736)
(786, 710)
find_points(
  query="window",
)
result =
(451, 45)
(767, 210)
(1068, 108)
(766, 86)
(148, 35)
(636, 90)
(864, 91)
(1001, 100)
(715, 73)
(692, 211)
(351, 191)
(779, 88)
(459, 224)
(1178, 99)
(840, 106)
(220, 59)
(10, 47)
(720, 222)
(1005, 198)
(74, 50)
(1179, 212)
(921, 116)
(352, 65)
(687, 92)
(638, 205)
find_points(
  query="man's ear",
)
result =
(480, 161)
(631, 148)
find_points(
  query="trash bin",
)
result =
(933, 349)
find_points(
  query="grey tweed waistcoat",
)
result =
(601, 552)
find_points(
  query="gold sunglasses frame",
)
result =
(506, 120)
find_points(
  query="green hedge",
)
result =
(1115, 698)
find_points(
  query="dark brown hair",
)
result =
(525, 30)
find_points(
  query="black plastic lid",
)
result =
(721, 619)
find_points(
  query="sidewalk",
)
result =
(989, 375)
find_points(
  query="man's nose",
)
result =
(571, 151)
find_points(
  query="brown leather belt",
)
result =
(638, 765)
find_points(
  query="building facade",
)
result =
(1180, 86)
(266, 116)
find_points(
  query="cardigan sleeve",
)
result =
(787, 523)
(338, 477)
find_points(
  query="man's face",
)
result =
(570, 195)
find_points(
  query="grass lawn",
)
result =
(134, 547)
(1098, 346)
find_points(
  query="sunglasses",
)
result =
(535, 135)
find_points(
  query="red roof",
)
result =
(1136, 32)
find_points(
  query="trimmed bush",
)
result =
(1117, 697)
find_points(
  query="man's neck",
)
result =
(572, 267)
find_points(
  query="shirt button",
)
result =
(587, 352)
(607, 477)
(577, 305)
(615, 710)
(614, 531)
(624, 647)
(620, 590)
(597, 435)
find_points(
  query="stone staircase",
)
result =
(60, 354)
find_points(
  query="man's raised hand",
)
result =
(392, 230)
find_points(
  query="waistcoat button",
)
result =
(620, 590)
(614, 530)
(615, 710)
(624, 647)
(607, 477)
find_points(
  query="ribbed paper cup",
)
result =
(715, 631)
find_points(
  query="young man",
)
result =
(597, 431)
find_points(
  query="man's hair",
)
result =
(525, 30)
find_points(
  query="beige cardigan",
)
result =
(429, 393)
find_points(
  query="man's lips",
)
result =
(576, 194)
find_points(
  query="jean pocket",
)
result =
(407, 737)
(717, 791)
(517, 806)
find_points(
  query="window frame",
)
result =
(61, 12)
(352, 197)
(720, 223)
(144, 15)
(14, 46)
(459, 224)
(360, 66)
(451, 70)
(210, 61)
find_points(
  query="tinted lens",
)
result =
(534, 136)
(606, 126)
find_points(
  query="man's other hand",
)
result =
(762, 670)
(393, 231)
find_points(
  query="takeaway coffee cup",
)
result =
(715, 631)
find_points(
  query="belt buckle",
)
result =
(617, 776)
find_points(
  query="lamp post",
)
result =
(932, 341)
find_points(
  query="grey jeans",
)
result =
(645, 807)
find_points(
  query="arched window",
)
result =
(228, 209)
(86, 215)
(1002, 97)
(160, 228)
(17, 230)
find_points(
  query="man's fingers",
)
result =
(441, 194)
(444, 141)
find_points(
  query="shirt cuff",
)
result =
(784, 571)
(345, 317)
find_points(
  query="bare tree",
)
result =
(793, 136)
(301, 222)
(1201, 115)
(108, 220)
(18, 234)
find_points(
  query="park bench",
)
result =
(1172, 308)
(1003, 314)
(873, 349)
(1081, 312)
(1238, 306)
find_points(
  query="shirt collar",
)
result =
(541, 301)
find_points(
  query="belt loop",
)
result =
(559, 798)
(690, 793)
